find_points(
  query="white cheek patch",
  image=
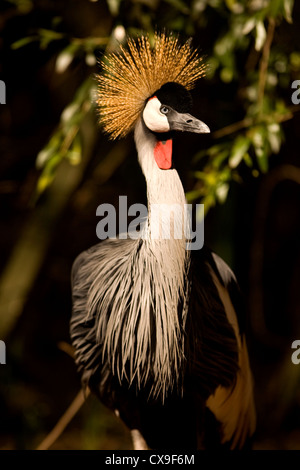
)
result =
(154, 119)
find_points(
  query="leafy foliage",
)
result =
(245, 54)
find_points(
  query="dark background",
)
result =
(256, 231)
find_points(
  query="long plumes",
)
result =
(136, 306)
(133, 75)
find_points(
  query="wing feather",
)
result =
(233, 407)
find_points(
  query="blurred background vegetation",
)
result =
(56, 167)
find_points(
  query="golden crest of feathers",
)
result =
(130, 77)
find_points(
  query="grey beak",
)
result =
(186, 122)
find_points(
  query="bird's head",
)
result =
(166, 111)
(150, 83)
(158, 74)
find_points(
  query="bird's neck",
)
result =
(167, 227)
(165, 194)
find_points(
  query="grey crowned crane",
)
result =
(158, 329)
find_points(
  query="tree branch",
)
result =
(263, 65)
(249, 121)
(61, 425)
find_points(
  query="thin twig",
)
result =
(67, 348)
(263, 65)
(247, 122)
(231, 128)
(69, 138)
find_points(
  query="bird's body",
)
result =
(158, 330)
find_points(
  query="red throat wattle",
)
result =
(163, 154)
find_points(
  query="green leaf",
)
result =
(260, 35)
(295, 61)
(262, 159)
(64, 58)
(193, 195)
(74, 154)
(275, 8)
(257, 136)
(44, 182)
(288, 8)
(179, 5)
(210, 178)
(249, 25)
(23, 42)
(23, 6)
(114, 6)
(43, 156)
(69, 112)
(48, 173)
(51, 148)
(226, 75)
(234, 6)
(208, 201)
(255, 173)
(50, 34)
(274, 137)
(90, 59)
(248, 160)
(219, 159)
(222, 192)
(239, 149)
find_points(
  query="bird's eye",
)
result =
(164, 110)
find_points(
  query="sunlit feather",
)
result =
(135, 73)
